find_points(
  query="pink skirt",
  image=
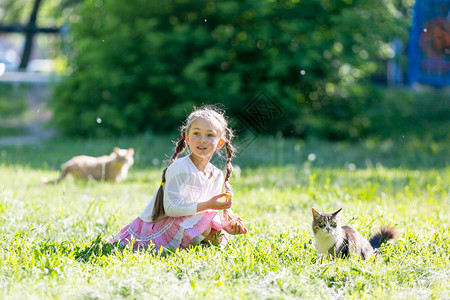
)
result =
(170, 232)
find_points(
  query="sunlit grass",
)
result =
(53, 237)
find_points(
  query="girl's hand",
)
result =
(214, 203)
(235, 227)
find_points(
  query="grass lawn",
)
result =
(52, 240)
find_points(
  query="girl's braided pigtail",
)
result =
(229, 149)
(158, 208)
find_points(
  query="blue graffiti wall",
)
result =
(429, 47)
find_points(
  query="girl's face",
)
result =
(204, 136)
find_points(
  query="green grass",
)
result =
(53, 237)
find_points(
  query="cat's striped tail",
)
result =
(385, 234)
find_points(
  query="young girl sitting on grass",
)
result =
(185, 209)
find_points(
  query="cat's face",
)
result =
(125, 156)
(326, 223)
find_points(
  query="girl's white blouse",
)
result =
(186, 186)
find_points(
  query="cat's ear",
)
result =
(315, 213)
(336, 212)
(116, 150)
(130, 151)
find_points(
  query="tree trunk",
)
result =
(30, 32)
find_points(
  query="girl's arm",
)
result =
(214, 203)
(174, 205)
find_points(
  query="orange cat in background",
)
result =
(113, 167)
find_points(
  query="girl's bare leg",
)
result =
(207, 231)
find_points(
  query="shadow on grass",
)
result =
(99, 248)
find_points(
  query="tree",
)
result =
(138, 64)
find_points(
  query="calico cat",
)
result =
(113, 167)
(344, 241)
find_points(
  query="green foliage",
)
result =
(386, 113)
(53, 242)
(402, 113)
(12, 101)
(138, 65)
(50, 12)
(12, 109)
(15, 11)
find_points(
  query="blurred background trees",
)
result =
(138, 65)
